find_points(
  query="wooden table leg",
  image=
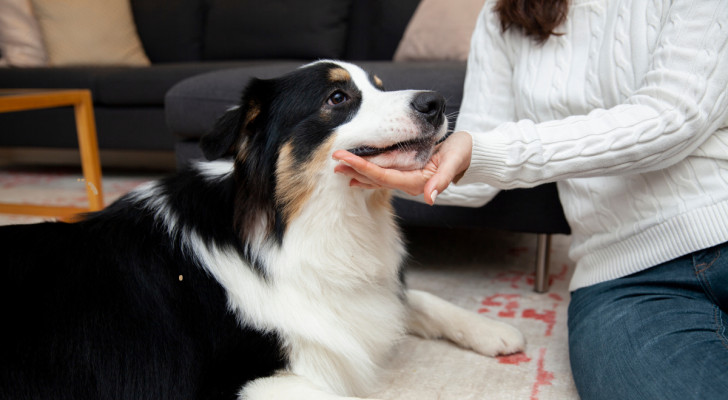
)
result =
(88, 146)
(87, 143)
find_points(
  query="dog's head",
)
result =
(284, 131)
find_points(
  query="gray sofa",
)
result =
(203, 53)
(185, 38)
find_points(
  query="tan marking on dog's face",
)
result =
(252, 112)
(295, 182)
(339, 75)
(325, 114)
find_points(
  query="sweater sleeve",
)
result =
(682, 101)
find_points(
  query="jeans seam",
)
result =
(720, 329)
(707, 265)
(704, 281)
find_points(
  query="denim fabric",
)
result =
(658, 334)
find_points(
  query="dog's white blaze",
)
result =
(383, 117)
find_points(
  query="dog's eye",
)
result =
(337, 97)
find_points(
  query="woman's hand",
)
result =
(448, 163)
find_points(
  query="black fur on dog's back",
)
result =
(151, 322)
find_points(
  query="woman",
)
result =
(624, 103)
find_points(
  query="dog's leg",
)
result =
(431, 317)
(286, 386)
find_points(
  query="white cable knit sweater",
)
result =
(628, 111)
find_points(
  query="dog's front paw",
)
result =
(489, 337)
(432, 317)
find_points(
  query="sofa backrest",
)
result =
(376, 27)
(194, 30)
(270, 29)
(170, 30)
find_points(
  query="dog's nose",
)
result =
(430, 105)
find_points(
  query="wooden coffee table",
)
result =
(33, 99)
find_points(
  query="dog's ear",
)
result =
(219, 141)
(235, 124)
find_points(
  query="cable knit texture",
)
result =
(627, 110)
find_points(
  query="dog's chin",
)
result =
(403, 160)
(404, 156)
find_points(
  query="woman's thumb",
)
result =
(436, 185)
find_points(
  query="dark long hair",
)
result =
(538, 19)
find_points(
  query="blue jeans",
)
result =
(658, 334)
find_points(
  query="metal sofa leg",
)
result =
(543, 250)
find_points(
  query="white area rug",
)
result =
(492, 273)
(488, 272)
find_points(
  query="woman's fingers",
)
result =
(357, 179)
(448, 164)
(369, 173)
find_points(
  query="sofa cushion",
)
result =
(439, 31)
(115, 86)
(122, 128)
(51, 78)
(21, 42)
(209, 95)
(89, 32)
(254, 29)
(148, 86)
(170, 30)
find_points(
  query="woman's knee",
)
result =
(632, 340)
(597, 352)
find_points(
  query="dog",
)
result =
(258, 274)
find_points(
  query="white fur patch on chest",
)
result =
(337, 313)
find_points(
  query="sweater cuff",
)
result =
(487, 162)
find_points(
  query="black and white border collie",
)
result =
(259, 275)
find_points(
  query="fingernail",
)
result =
(433, 196)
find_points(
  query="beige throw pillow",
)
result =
(439, 30)
(21, 43)
(89, 32)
